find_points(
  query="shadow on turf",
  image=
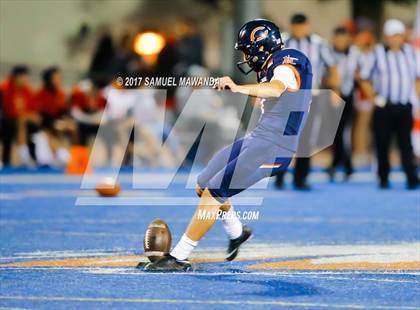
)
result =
(272, 288)
(263, 288)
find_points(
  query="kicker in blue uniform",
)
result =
(284, 88)
(270, 147)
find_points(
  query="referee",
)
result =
(324, 72)
(347, 57)
(393, 70)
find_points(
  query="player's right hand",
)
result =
(225, 83)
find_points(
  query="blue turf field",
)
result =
(362, 246)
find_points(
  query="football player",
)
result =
(283, 76)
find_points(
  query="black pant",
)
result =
(86, 131)
(341, 152)
(394, 119)
(9, 134)
(31, 129)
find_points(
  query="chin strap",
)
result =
(240, 64)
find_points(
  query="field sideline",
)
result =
(342, 245)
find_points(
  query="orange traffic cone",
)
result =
(416, 126)
(79, 160)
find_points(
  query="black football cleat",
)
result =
(168, 263)
(234, 244)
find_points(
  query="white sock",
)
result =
(62, 156)
(232, 224)
(184, 248)
(43, 152)
(24, 155)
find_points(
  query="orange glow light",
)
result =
(148, 43)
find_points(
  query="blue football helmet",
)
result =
(257, 39)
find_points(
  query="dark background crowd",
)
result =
(39, 125)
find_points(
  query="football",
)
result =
(157, 240)
(108, 187)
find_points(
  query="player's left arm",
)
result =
(272, 89)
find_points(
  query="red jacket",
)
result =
(87, 102)
(16, 101)
(52, 103)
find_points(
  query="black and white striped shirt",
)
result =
(318, 52)
(393, 73)
(347, 64)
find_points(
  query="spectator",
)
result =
(87, 103)
(218, 118)
(126, 61)
(51, 102)
(51, 99)
(117, 123)
(20, 115)
(156, 143)
(103, 66)
(166, 66)
(190, 45)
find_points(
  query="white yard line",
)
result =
(279, 303)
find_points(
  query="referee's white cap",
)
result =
(393, 27)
